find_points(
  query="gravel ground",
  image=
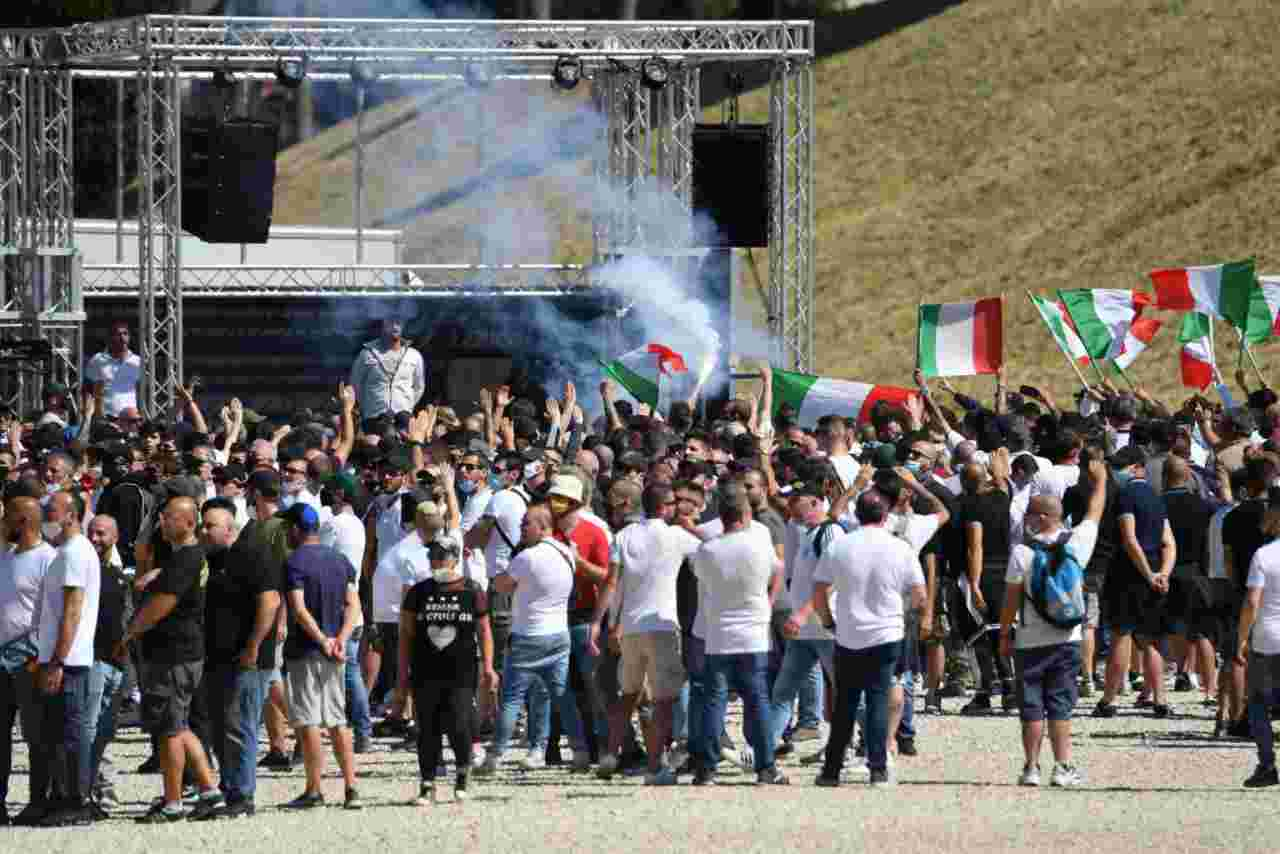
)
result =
(1149, 785)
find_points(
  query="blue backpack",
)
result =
(1055, 585)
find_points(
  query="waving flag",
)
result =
(638, 370)
(814, 397)
(1055, 317)
(1199, 367)
(1138, 338)
(1102, 317)
(959, 339)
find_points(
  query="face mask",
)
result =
(915, 468)
(287, 500)
(495, 482)
(466, 487)
(51, 530)
(444, 575)
(1122, 478)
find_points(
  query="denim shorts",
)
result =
(1048, 681)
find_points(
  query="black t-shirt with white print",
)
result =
(445, 639)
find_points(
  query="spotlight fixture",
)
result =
(568, 72)
(290, 73)
(654, 72)
(477, 74)
(223, 79)
(361, 76)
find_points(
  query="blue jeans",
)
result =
(861, 673)
(1263, 692)
(801, 661)
(105, 680)
(530, 660)
(696, 666)
(539, 701)
(65, 752)
(235, 713)
(680, 714)
(357, 694)
(746, 673)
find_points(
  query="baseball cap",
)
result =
(302, 516)
(231, 472)
(266, 483)
(1128, 456)
(883, 456)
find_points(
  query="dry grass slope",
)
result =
(1000, 146)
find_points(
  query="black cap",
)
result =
(230, 472)
(266, 483)
(1128, 456)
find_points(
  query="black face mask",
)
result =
(216, 550)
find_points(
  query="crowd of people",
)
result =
(523, 576)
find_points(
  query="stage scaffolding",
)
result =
(645, 145)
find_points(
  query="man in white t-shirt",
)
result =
(24, 563)
(871, 571)
(833, 438)
(115, 372)
(1048, 657)
(540, 579)
(403, 566)
(68, 621)
(735, 573)
(644, 562)
(1260, 617)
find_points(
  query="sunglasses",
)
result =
(470, 467)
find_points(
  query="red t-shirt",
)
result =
(593, 547)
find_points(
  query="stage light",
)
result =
(654, 72)
(361, 76)
(290, 74)
(568, 72)
(223, 79)
(477, 74)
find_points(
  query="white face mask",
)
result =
(287, 500)
(445, 575)
(51, 530)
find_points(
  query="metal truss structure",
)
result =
(642, 164)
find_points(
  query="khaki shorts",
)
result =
(317, 692)
(652, 658)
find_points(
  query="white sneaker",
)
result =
(581, 760)
(1065, 776)
(534, 760)
(856, 769)
(664, 776)
(1195, 681)
(1030, 776)
(460, 795)
(489, 766)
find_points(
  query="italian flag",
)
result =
(814, 397)
(1268, 294)
(958, 339)
(1199, 367)
(1138, 337)
(1223, 291)
(1064, 334)
(638, 370)
(1102, 317)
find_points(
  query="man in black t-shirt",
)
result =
(985, 521)
(1191, 613)
(241, 603)
(1242, 536)
(171, 627)
(1134, 594)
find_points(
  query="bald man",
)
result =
(115, 607)
(540, 577)
(1048, 656)
(23, 567)
(1190, 602)
(68, 620)
(170, 624)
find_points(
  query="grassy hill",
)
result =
(1003, 145)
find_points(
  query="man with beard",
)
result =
(388, 375)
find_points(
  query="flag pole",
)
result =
(1065, 354)
(1125, 376)
(1244, 345)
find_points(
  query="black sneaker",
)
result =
(151, 766)
(933, 703)
(1262, 778)
(1182, 682)
(785, 749)
(306, 801)
(906, 746)
(771, 776)
(389, 727)
(704, 777)
(4, 816)
(69, 815)
(352, 800)
(208, 807)
(881, 777)
(1161, 710)
(825, 781)
(242, 808)
(980, 705)
(362, 744)
(1105, 710)
(1240, 729)
(276, 760)
(158, 814)
(1009, 701)
(31, 815)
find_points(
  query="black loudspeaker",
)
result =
(732, 169)
(228, 179)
